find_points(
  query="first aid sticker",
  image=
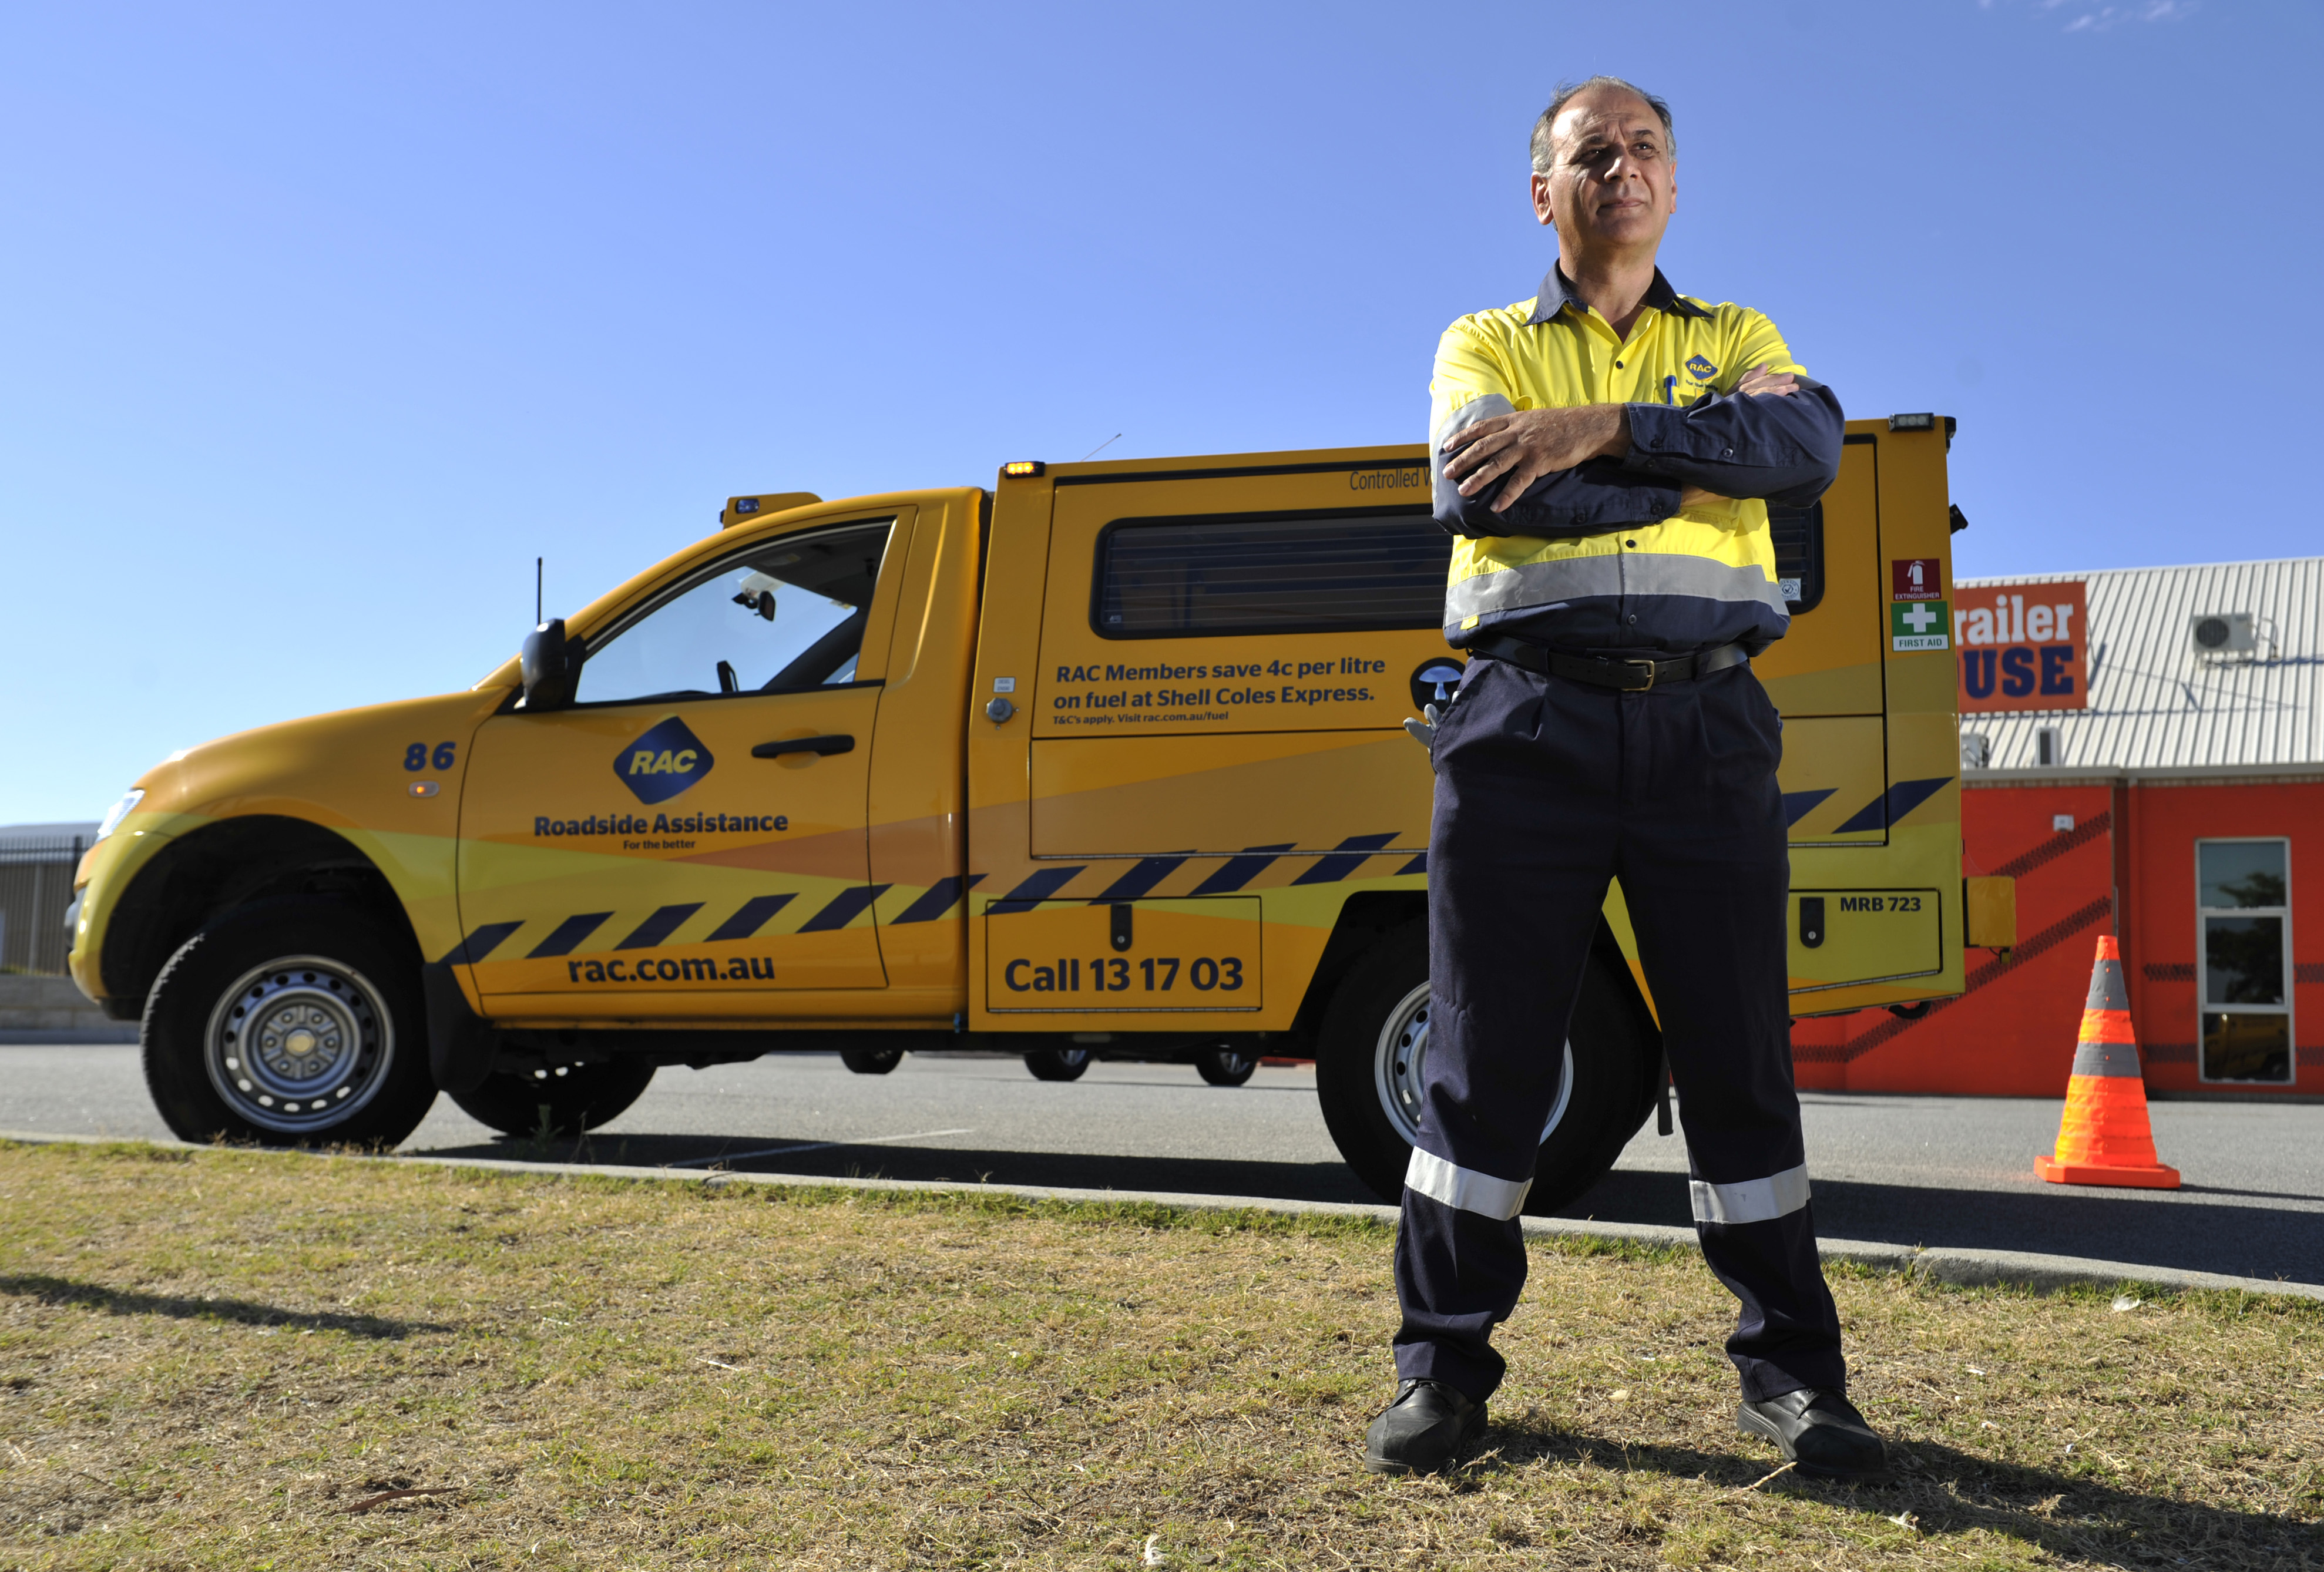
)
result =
(1919, 625)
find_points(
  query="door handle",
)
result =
(824, 745)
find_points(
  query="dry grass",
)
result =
(239, 1360)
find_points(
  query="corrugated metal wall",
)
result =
(2155, 702)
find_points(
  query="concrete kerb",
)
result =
(1947, 1264)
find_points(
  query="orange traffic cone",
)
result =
(2105, 1137)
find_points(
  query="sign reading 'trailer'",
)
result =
(2023, 647)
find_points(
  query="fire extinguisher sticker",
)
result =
(1914, 578)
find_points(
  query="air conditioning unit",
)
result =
(2222, 633)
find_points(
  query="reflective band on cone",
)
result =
(2104, 1136)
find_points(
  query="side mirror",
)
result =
(549, 668)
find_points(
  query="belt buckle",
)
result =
(1646, 686)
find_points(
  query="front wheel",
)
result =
(563, 1101)
(871, 1061)
(289, 1022)
(1057, 1063)
(1225, 1066)
(1374, 1046)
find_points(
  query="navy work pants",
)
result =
(1547, 788)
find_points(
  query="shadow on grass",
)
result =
(59, 1291)
(2209, 1234)
(1939, 1491)
(804, 1154)
(2214, 1234)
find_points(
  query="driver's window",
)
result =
(787, 615)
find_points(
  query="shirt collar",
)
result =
(1556, 294)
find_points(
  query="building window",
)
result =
(2242, 901)
(1977, 751)
(2047, 751)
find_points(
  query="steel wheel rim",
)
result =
(299, 1044)
(1400, 1055)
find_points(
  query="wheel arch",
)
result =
(233, 863)
(1365, 919)
(1369, 916)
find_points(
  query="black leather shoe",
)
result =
(1420, 1430)
(1819, 1430)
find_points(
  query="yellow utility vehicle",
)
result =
(1107, 760)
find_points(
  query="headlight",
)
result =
(121, 810)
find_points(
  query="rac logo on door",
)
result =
(663, 762)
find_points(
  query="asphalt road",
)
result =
(1902, 1170)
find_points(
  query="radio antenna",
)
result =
(1101, 448)
(536, 592)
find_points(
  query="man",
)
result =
(1605, 453)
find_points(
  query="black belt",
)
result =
(1609, 671)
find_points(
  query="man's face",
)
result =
(1614, 185)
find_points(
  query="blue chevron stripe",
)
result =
(1336, 866)
(1142, 876)
(1238, 871)
(479, 944)
(1040, 886)
(658, 927)
(568, 934)
(939, 898)
(750, 917)
(1798, 805)
(845, 908)
(1894, 804)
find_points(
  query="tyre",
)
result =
(871, 1061)
(1375, 1041)
(1225, 1066)
(1057, 1063)
(576, 1097)
(290, 1021)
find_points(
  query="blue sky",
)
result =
(322, 321)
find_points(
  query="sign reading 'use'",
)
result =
(2023, 647)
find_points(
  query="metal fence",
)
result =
(36, 878)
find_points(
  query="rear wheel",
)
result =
(1225, 1066)
(1057, 1063)
(1374, 1046)
(871, 1061)
(290, 1021)
(567, 1099)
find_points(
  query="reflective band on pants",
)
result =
(1751, 1201)
(1465, 1189)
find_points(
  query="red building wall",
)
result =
(2127, 867)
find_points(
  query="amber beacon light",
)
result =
(1023, 468)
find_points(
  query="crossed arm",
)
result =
(1598, 466)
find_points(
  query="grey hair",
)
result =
(1543, 153)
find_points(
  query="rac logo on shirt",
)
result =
(1702, 369)
(663, 762)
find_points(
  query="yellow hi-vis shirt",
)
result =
(1616, 564)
